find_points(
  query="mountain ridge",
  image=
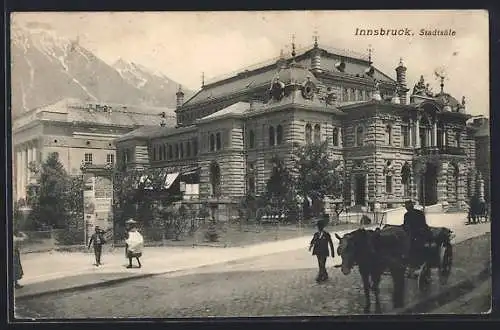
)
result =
(46, 68)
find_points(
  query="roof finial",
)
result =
(203, 79)
(370, 50)
(401, 61)
(293, 46)
(315, 39)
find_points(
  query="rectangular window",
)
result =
(219, 141)
(388, 184)
(110, 158)
(406, 135)
(88, 158)
(195, 146)
(154, 152)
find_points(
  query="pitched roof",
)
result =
(151, 132)
(247, 80)
(75, 110)
(236, 108)
(121, 118)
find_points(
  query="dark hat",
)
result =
(320, 222)
(409, 202)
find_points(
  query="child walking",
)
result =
(319, 245)
(97, 240)
(134, 244)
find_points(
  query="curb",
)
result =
(104, 283)
(445, 296)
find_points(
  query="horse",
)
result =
(374, 252)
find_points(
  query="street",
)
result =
(281, 284)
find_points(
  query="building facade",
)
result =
(392, 143)
(79, 132)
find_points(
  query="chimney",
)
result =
(180, 97)
(401, 81)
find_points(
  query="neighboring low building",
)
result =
(80, 132)
(481, 128)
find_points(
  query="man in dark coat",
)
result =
(319, 244)
(418, 230)
(97, 239)
(474, 209)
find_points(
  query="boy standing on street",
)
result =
(319, 244)
(98, 239)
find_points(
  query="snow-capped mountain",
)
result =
(148, 80)
(47, 68)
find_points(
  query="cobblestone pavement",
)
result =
(281, 284)
(476, 302)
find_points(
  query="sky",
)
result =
(182, 45)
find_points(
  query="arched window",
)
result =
(406, 179)
(271, 136)
(176, 151)
(188, 149)
(456, 177)
(335, 136)
(181, 147)
(317, 134)
(215, 179)
(388, 184)
(164, 151)
(279, 134)
(405, 132)
(251, 139)
(357, 95)
(458, 138)
(388, 134)
(345, 95)
(195, 146)
(359, 136)
(212, 142)
(440, 135)
(424, 132)
(251, 176)
(308, 133)
(219, 141)
(170, 152)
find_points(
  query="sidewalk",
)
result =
(69, 270)
(59, 265)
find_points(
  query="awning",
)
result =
(190, 170)
(170, 179)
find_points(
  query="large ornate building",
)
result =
(391, 145)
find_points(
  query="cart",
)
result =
(438, 254)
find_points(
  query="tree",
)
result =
(74, 224)
(315, 175)
(280, 191)
(51, 206)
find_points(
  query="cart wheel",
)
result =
(445, 262)
(424, 277)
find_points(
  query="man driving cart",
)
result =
(419, 232)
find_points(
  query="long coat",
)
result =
(320, 243)
(18, 268)
(415, 224)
